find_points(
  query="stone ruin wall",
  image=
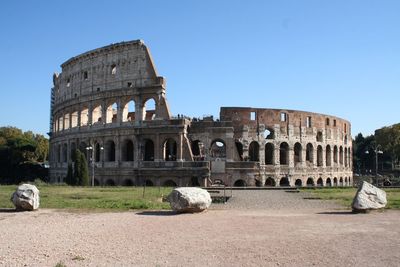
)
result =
(100, 105)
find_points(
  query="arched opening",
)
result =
(239, 148)
(345, 181)
(328, 156)
(319, 156)
(320, 182)
(194, 181)
(310, 154)
(196, 148)
(72, 151)
(319, 137)
(310, 182)
(258, 183)
(148, 150)
(350, 183)
(170, 183)
(218, 149)
(284, 154)
(148, 182)
(110, 182)
(269, 154)
(66, 121)
(341, 155)
(298, 183)
(335, 182)
(82, 149)
(349, 151)
(341, 181)
(218, 182)
(97, 152)
(270, 182)
(345, 157)
(269, 134)
(297, 153)
(84, 117)
(284, 182)
(58, 153)
(96, 114)
(96, 182)
(74, 119)
(149, 110)
(328, 182)
(128, 182)
(127, 150)
(335, 154)
(170, 150)
(239, 183)
(254, 151)
(128, 113)
(65, 153)
(112, 111)
(60, 126)
(110, 151)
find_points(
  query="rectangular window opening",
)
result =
(308, 122)
(253, 116)
(283, 117)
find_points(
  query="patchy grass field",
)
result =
(344, 196)
(97, 198)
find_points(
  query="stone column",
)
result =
(120, 110)
(291, 157)
(103, 112)
(276, 155)
(90, 113)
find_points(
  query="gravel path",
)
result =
(227, 235)
(273, 200)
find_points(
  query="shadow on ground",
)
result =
(8, 210)
(346, 212)
(158, 213)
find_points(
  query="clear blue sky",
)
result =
(335, 57)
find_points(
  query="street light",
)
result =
(377, 151)
(90, 148)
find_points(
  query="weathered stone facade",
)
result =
(100, 105)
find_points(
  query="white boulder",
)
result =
(26, 197)
(189, 199)
(368, 198)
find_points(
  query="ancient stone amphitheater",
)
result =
(111, 104)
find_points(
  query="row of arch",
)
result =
(108, 152)
(310, 182)
(270, 182)
(105, 114)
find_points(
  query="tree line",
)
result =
(22, 156)
(385, 140)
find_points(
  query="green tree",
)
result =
(81, 173)
(84, 181)
(77, 167)
(389, 139)
(70, 175)
(20, 153)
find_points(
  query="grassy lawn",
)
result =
(97, 198)
(344, 196)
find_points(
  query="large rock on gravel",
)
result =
(189, 199)
(26, 197)
(368, 198)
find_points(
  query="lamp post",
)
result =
(91, 148)
(377, 151)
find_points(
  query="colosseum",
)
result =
(111, 104)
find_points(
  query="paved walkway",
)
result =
(274, 200)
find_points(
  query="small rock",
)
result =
(368, 198)
(189, 199)
(26, 197)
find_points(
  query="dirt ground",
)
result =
(245, 236)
